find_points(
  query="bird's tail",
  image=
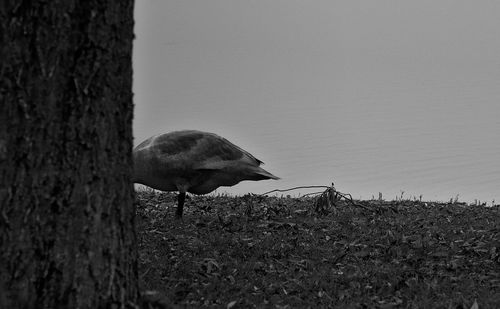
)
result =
(262, 174)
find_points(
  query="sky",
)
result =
(364, 92)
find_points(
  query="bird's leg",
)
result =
(180, 199)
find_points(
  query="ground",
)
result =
(281, 252)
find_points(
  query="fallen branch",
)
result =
(326, 200)
(294, 188)
(329, 198)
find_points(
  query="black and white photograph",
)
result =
(250, 154)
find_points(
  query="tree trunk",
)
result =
(67, 234)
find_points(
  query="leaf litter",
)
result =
(280, 252)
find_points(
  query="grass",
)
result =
(270, 252)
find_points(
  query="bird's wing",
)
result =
(218, 153)
(197, 150)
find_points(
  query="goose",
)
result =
(193, 161)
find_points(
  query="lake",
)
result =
(402, 100)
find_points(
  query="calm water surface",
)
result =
(373, 96)
(438, 151)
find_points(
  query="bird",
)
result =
(192, 161)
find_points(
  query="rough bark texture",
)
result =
(67, 236)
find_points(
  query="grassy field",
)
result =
(270, 252)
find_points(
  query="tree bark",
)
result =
(67, 234)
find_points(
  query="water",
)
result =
(368, 96)
(440, 150)
(434, 152)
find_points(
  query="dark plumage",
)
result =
(195, 162)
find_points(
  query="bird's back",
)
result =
(198, 161)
